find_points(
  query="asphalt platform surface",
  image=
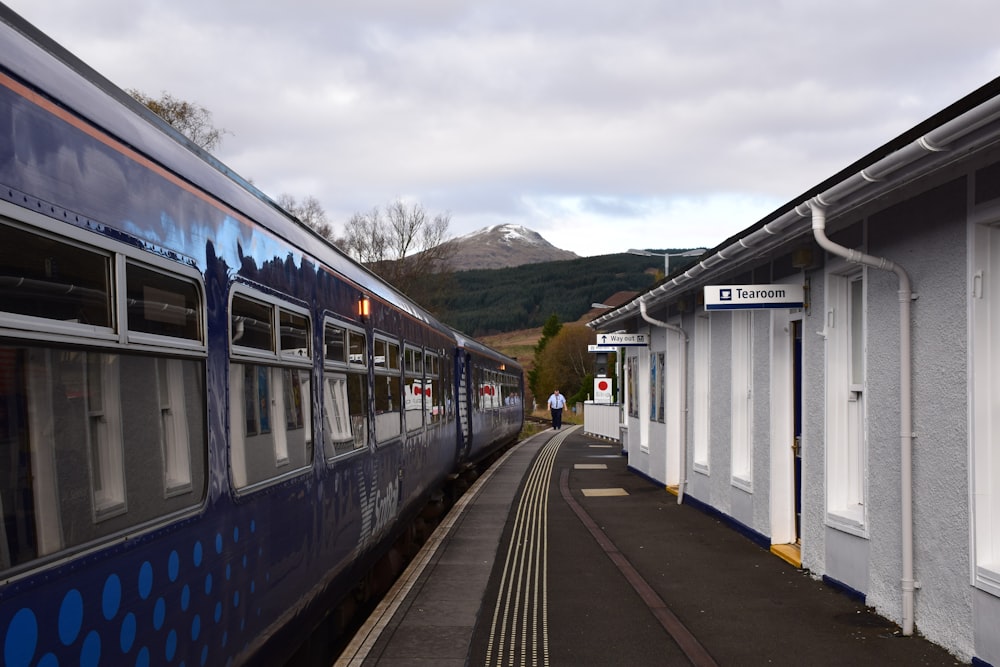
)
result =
(559, 555)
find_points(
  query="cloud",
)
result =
(601, 126)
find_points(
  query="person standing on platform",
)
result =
(556, 404)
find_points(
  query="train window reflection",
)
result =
(389, 394)
(91, 453)
(43, 277)
(415, 399)
(345, 392)
(273, 405)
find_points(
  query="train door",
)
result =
(463, 372)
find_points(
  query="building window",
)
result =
(741, 399)
(661, 388)
(631, 368)
(985, 371)
(702, 391)
(846, 450)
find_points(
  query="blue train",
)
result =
(212, 423)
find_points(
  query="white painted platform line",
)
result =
(604, 492)
(601, 446)
(590, 466)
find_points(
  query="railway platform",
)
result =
(559, 555)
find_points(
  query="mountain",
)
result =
(502, 246)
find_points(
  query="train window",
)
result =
(161, 304)
(358, 349)
(345, 397)
(416, 399)
(294, 333)
(98, 441)
(90, 449)
(334, 344)
(274, 407)
(392, 356)
(433, 391)
(252, 324)
(270, 392)
(44, 277)
(388, 391)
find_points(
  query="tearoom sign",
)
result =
(743, 297)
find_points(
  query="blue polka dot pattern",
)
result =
(177, 607)
(127, 635)
(90, 654)
(112, 597)
(70, 617)
(171, 645)
(159, 613)
(173, 565)
(22, 639)
(145, 580)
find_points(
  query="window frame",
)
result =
(845, 408)
(984, 390)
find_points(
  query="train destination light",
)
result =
(744, 297)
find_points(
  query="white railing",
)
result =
(601, 419)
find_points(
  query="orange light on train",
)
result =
(364, 307)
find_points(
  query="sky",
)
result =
(602, 126)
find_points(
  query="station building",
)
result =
(857, 432)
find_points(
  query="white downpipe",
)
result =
(905, 397)
(684, 393)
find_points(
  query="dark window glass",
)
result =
(294, 333)
(42, 277)
(335, 347)
(161, 304)
(252, 324)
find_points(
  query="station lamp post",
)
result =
(666, 256)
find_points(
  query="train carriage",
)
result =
(212, 423)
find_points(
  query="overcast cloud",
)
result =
(602, 126)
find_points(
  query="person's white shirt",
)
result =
(557, 401)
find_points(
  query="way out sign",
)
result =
(602, 390)
(743, 297)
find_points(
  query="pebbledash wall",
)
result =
(724, 440)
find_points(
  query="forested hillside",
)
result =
(499, 300)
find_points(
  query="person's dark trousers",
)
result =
(556, 417)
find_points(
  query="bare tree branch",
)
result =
(404, 245)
